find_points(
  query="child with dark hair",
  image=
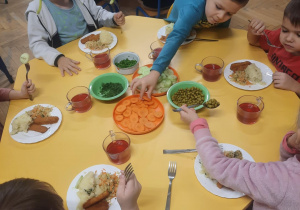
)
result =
(286, 59)
(187, 14)
(29, 194)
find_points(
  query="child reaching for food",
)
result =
(27, 89)
(187, 14)
(52, 23)
(286, 58)
(273, 185)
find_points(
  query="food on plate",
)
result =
(246, 74)
(165, 81)
(45, 120)
(91, 37)
(126, 63)
(240, 66)
(95, 188)
(137, 115)
(37, 128)
(101, 205)
(212, 103)
(169, 28)
(21, 123)
(39, 110)
(188, 96)
(100, 41)
(110, 89)
(230, 154)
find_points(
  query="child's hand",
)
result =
(119, 18)
(68, 65)
(294, 140)
(27, 89)
(127, 194)
(256, 27)
(285, 81)
(188, 115)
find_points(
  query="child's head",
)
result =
(290, 28)
(219, 11)
(29, 194)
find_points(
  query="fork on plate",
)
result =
(128, 171)
(171, 175)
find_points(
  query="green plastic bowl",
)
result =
(105, 78)
(186, 84)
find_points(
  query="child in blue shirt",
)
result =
(186, 14)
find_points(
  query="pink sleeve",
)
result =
(285, 151)
(4, 94)
(254, 179)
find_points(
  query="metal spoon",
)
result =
(195, 105)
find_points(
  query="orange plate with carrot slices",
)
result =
(136, 116)
(136, 74)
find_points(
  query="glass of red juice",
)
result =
(79, 99)
(117, 147)
(101, 60)
(156, 48)
(249, 109)
(211, 68)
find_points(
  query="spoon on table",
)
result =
(24, 59)
(205, 104)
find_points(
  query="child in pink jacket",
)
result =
(27, 88)
(273, 185)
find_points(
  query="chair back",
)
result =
(170, 9)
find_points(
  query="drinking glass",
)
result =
(249, 108)
(117, 147)
(79, 99)
(101, 60)
(156, 48)
(211, 68)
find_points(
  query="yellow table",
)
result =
(77, 143)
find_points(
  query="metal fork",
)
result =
(171, 175)
(27, 70)
(128, 171)
(268, 41)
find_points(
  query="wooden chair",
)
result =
(5, 71)
(151, 12)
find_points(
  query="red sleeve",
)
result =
(4, 94)
(273, 37)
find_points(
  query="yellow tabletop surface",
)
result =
(76, 145)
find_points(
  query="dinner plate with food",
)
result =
(211, 184)
(35, 123)
(97, 41)
(94, 188)
(248, 74)
(164, 32)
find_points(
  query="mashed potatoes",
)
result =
(21, 123)
(169, 28)
(106, 38)
(253, 73)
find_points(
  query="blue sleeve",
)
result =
(188, 16)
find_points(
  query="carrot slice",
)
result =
(121, 108)
(127, 113)
(157, 114)
(126, 102)
(134, 100)
(134, 118)
(150, 125)
(154, 105)
(130, 126)
(135, 109)
(143, 120)
(146, 98)
(151, 111)
(125, 123)
(143, 112)
(119, 117)
(149, 102)
(139, 127)
(151, 117)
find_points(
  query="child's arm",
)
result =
(255, 30)
(286, 82)
(26, 89)
(290, 145)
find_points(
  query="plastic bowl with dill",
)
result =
(108, 86)
(126, 62)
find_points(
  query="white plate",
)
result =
(211, 185)
(87, 50)
(33, 136)
(162, 32)
(72, 198)
(266, 76)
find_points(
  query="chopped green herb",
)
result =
(110, 89)
(126, 63)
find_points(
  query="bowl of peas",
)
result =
(126, 62)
